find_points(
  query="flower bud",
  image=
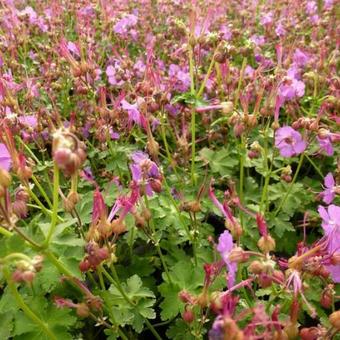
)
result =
(102, 254)
(334, 319)
(227, 107)
(266, 244)
(118, 227)
(238, 255)
(28, 276)
(185, 296)
(265, 280)
(156, 185)
(20, 208)
(82, 310)
(188, 315)
(311, 333)
(279, 275)
(216, 303)
(84, 266)
(256, 267)
(203, 300)
(5, 178)
(292, 331)
(326, 299)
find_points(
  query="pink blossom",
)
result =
(329, 193)
(5, 158)
(326, 145)
(224, 247)
(289, 142)
(331, 227)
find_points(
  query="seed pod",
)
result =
(334, 319)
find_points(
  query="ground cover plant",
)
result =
(169, 169)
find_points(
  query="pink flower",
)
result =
(331, 227)
(326, 145)
(329, 193)
(5, 158)
(144, 171)
(133, 112)
(224, 247)
(300, 58)
(289, 142)
(29, 120)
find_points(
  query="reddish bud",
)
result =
(188, 315)
(84, 265)
(309, 333)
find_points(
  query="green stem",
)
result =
(47, 212)
(315, 166)
(290, 186)
(5, 232)
(193, 145)
(237, 95)
(200, 91)
(55, 204)
(21, 303)
(59, 265)
(156, 243)
(42, 191)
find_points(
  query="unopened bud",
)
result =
(185, 296)
(311, 333)
(83, 310)
(326, 299)
(118, 227)
(227, 107)
(84, 265)
(334, 319)
(188, 315)
(256, 267)
(266, 244)
(292, 330)
(323, 133)
(238, 255)
(156, 185)
(203, 300)
(265, 280)
(20, 208)
(5, 178)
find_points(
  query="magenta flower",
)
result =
(291, 88)
(224, 247)
(326, 145)
(133, 112)
(124, 25)
(300, 58)
(5, 158)
(331, 227)
(30, 121)
(329, 193)
(289, 142)
(144, 171)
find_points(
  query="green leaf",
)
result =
(223, 162)
(184, 276)
(179, 331)
(6, 325)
